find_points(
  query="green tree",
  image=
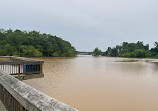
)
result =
(114, 52)
(97, 52)
(29, 51)
(55, 54)
(8, 50)
(133, 50)
(23, 43)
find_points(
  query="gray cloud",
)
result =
(85, 23)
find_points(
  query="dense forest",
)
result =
(134, 50)
(33, 44)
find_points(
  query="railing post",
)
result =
(18, 69)
(10, 58)
(41, 68)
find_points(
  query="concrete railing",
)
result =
(18, 96)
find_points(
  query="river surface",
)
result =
(101, 83)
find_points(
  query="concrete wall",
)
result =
(4, 58)
(30, 98)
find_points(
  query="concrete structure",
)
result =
(18, 96)
(22, 68)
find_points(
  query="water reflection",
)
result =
(101, 83)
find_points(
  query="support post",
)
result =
(18, 69)
(41, 68)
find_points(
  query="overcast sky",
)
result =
(85, 23)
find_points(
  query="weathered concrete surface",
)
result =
(15, 60)
(30, 98)
(28, 76)
(2, 107)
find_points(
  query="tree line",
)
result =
(33, 44)
(134, 50)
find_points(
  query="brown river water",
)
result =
(101, 83)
